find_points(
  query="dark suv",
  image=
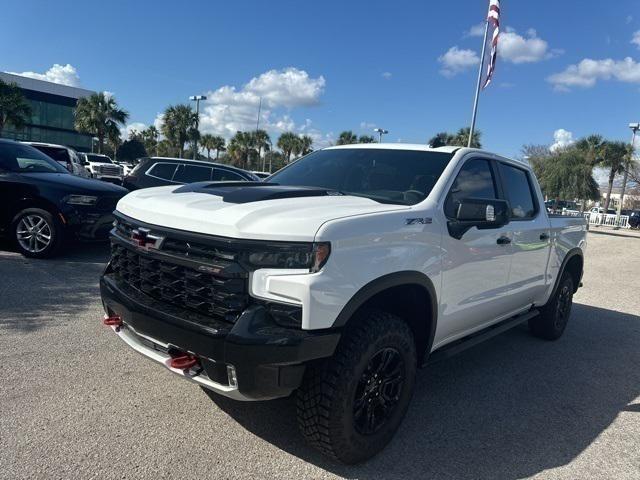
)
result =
(158, 171)
(42, 204)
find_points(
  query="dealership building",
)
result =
(52, 113)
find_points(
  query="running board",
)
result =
(475, 338)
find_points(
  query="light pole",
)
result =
(380, 131)
(627, 164)
(197, 99)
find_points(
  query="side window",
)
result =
(192, 173)
(518, 191)
(164, 171)
(475, 180)
(221, 175)
(60, 155)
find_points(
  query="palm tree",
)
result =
(593, 148)
(97, 114)
(219, 145)
(149, 138)
(614, 158)
(262, 141)
(567, 175)
(13, 107)
(206, 142)
(347, 138)
(113, 139)
(241, 147)
(366, 139)
(459, 139)
(178, 125)
(288, 142)
(305, 145)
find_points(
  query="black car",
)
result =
(158, 171)
(41, 203)
(634, 218)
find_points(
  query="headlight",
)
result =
(81, 200)
(307, 256)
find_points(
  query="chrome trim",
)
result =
(130, 337)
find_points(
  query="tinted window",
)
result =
(475, 180)
(518, 191)
(57, 153)
(23, 158)
(192, 173)
(163, 171)
(221, 175)
(385, 175)
(98, 158)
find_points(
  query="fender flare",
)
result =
(576, 251)
(385, 282)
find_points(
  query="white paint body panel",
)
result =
(477, 282)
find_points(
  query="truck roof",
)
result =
(397, 146)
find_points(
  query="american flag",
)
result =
(493, 17)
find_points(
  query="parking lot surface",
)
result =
(78, 403)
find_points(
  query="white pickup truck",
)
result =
(338, 277)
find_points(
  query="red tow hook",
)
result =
(183, 362)
(112, 321)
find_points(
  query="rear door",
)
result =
(192, 173)
(530, 235)
(476, 266)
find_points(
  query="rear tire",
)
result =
(37, 233)
(554, 316)
(350, 406)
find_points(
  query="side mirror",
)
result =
(481, 213)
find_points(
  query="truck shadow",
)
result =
(56, 289)
(509, 408)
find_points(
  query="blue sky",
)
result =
(329, 66)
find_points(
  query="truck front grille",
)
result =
(218, 290)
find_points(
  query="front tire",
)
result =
(350, 406)
(554, 316)
(37, 233)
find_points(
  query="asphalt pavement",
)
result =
(75, 402)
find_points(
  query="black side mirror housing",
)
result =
(481, 213)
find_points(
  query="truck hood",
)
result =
(295, 214)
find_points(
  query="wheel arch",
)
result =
(408, 294)
(573, 263)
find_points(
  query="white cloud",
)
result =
(586, 73)
(456, 60)
(636, 38)
(629, 19)
(62, 74)
(562, 139)
(516, 49)
(130, 127)
(387, 75)
(368, 126)
(476, 30)
(229, 109)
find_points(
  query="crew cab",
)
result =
(65, 156)
(42, 205)
(337, 277)
(101, 167)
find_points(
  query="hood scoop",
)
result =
(247, 192)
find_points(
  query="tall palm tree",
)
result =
(614, 158)
(287, 143)
(366, 139)
(241, 148)
(593, 148)
(177, 126)
(113, 139)
(262, 141)
(305, 145)
(150, 139)
(219, 145)
(13, 107)
(97, 114)
(206, 142)
(347, 138)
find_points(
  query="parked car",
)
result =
(562, 204)
(158, 171)
(42, 204)
(338, 277)
(65, 156)
(634, 219)
(102, 167)
(600, 210)
(261, 175)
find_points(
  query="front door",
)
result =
(476, 266)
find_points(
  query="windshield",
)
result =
(15, 157)
(97, 158)
(384, 175)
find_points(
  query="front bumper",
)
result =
(108, 178)
(269, 360)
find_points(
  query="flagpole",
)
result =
(477, 97)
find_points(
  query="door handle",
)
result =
(544, 236)
(503, 241)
